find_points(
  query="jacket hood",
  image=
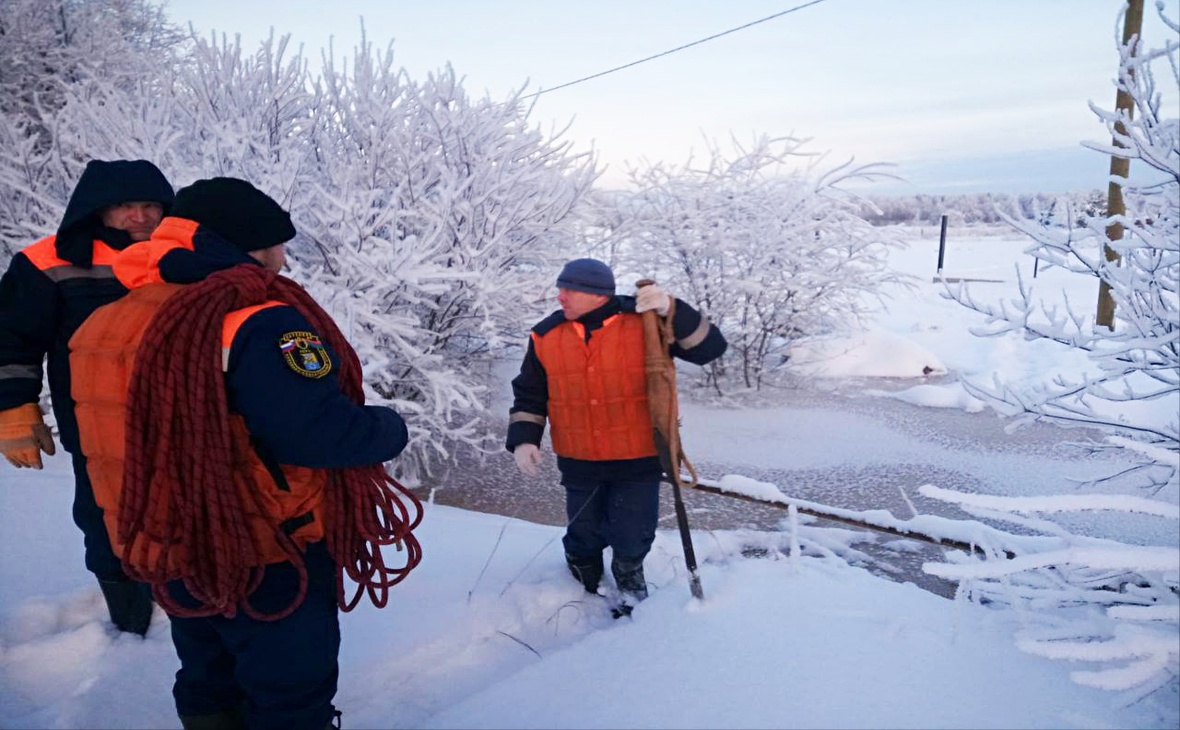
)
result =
(104, 183)
(180, 251)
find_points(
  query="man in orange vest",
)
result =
(238, 468)
(49, 289)
(583, 372)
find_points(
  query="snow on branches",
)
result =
(52, 56)
(437, 216)
(428, 222)
(770, 253)
(1137, 363)
(1081, 599)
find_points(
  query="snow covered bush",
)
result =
(769, 253)
(429, 223)
(437, 219)
(1081, 599)
(53, 52)
(49, 46)
(1137, 362)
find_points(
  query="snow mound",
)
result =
(874, 354)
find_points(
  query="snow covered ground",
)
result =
(490, 631)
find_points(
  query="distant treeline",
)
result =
(984, 208)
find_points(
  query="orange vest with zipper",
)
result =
(102, 358)
(598, 407)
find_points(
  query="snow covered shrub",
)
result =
(1081, 599)
(1136, 389)
(247, 115)
(51, 55)
(769, 254)
(49, 46)
(438, 219)
(428, 223)
(216, 112)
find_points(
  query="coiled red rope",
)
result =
(186, 495)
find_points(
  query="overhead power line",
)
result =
(678, 48)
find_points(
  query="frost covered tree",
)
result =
(770, 253)
(428, 222)
(46, 46)
(220, 111)
(1137, 363)
(247, 115)
(53, 52)
(436, 217)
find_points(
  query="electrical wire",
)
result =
(674, 50)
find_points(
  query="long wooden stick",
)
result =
(665, 419)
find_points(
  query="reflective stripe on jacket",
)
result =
(598, 407)
(43, 300)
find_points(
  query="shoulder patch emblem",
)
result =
(305, 354)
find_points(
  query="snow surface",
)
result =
(491, 632)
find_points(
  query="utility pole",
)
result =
(1120, 167)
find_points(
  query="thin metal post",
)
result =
(941, 244)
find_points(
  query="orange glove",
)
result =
(24, 435)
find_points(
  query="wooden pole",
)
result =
(1120, 168)
(663, 404)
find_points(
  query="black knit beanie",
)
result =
(235, 210)
(587, 275)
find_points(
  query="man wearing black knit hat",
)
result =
(50, 288)
(583, 373)
(237, 467)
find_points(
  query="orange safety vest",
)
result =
(102, 358)
(597, 390)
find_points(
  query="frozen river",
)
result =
(847, 450)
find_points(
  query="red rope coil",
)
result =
(186, 492)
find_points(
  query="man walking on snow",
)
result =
(583, 372)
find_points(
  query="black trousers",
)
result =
(617, 512)
(283, 673)
(100, 557)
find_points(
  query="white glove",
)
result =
(528, 459)
(652, 297)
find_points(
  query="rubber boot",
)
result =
(629, 577)
(224, 720)
(587, 571)
(129, 603)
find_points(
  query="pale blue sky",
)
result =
(965, 95)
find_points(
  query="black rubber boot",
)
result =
(129, 603)
(587, 571)
(224, 720)
(629, 577)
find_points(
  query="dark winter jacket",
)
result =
(697, 341)
(52, 286)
